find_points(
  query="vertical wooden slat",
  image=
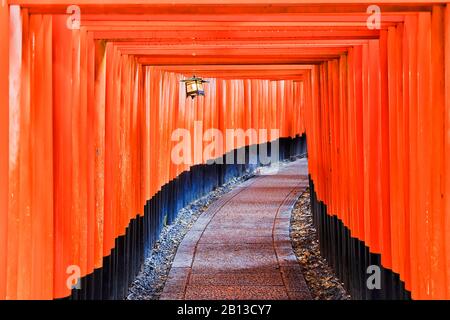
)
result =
(62, 154)
(41, 249)
(97, 152)
(411, 31)
(4, 143)
(447, 149)
(437, 111)
(424, 161)
(19, 228)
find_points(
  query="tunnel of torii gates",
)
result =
(87, 114)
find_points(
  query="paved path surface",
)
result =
(240, 248)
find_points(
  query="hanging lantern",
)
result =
(194, 87)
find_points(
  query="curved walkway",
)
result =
(240, 247)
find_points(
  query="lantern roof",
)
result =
(194, 78)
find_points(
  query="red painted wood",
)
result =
(85, 137)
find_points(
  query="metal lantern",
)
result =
(194, 87)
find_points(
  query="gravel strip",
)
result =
(320, 278)
(150, 281)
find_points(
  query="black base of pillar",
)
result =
(350, 257)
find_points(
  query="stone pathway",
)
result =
(240, 247)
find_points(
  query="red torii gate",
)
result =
(375, 106)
